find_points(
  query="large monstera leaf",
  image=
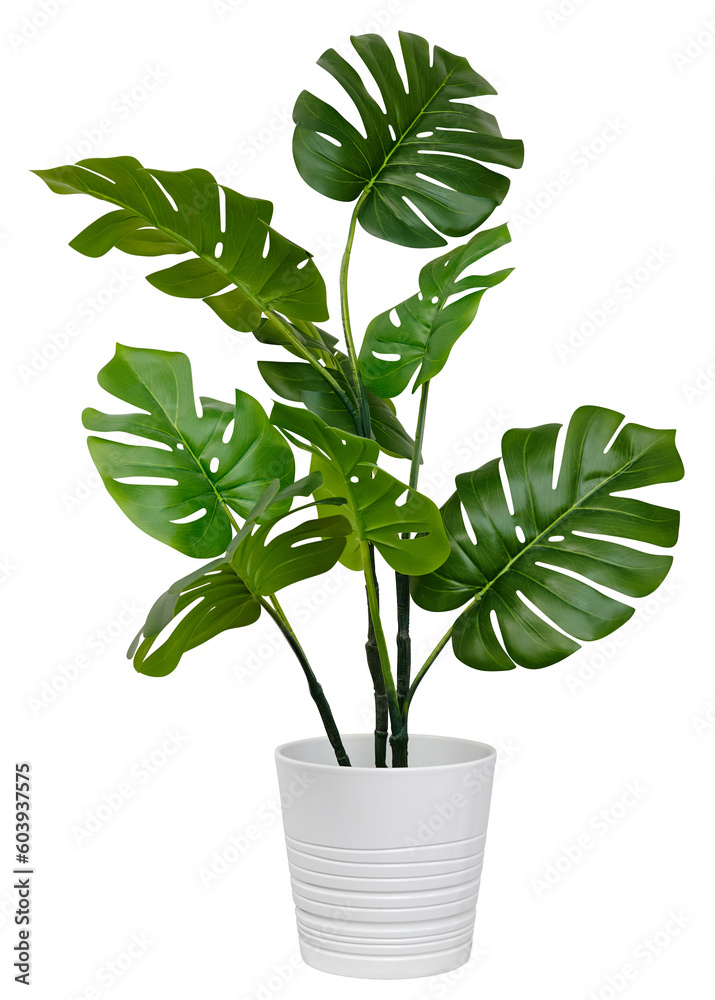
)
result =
(523, 558)
(379, 507)
(176, 212)
(428, 147)
(429, 323)
(229, 592)
(191, 465)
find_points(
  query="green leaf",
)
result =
(561, 528)
(180, 211)
(375, 505)
(428, 324)
(300, 383)
(160, 384)
(227, 593)
(221, 601)
(311, 337)
(427, 147)
(269, 566)
(274, 495)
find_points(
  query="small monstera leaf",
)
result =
(427, 149)
(428, 325)
(218, 599)
(229, 592)
(191, 471)
(309, 549)
(379, 507)
(521, 560)
(176, 212)
(300, 383)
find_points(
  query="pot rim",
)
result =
(281, 753)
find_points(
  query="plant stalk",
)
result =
(344, 308)
(378, 681)
(393, 709)
(355, 412)
(316, 690)
(402, 586)
(386, 707)
(423, 670)
(404, 643)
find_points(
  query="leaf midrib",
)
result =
(180, 435)
(553, 524)
(398, 142)
(262, 304)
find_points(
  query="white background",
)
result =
(614, 103)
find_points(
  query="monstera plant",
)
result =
(524, 548)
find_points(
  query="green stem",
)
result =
(311, 330)
(363, 407)
(402, 586)
(404, 643)
(419, 436)
(427, 664)
(279, 610)
(386, 706)
(231, 518)
(378, 681)
(394, 711)
(354, 411)
(314, 687)
(344, 309)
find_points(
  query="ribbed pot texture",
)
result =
(385, 863)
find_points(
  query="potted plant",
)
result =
(385, 849)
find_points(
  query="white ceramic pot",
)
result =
(385, 863)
